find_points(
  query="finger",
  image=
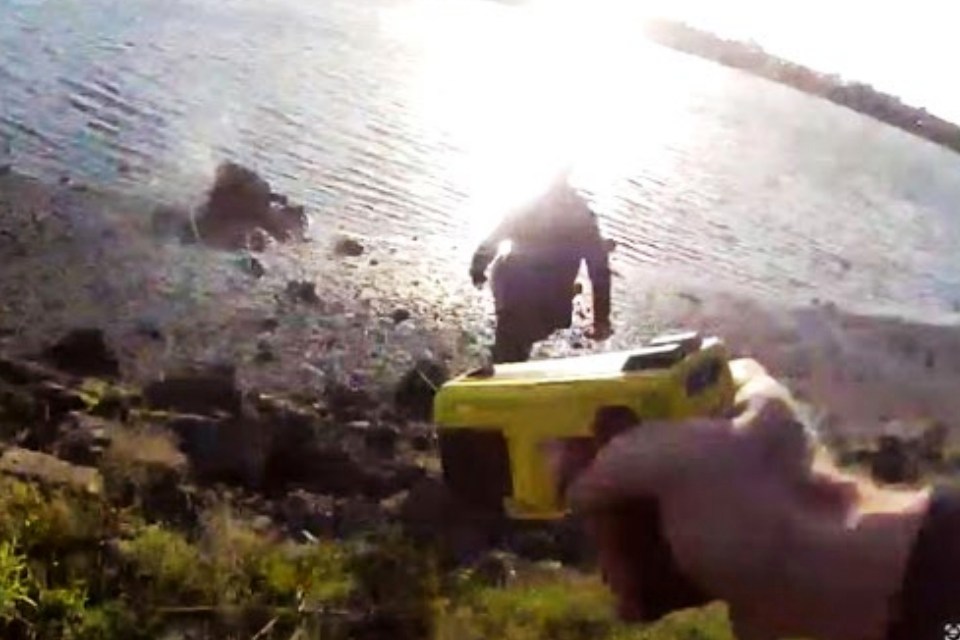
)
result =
(756, 391)
(568, 458)
(646, 460)
(785, 443)
(612, 556)
(745, 369)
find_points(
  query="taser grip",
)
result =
(651, 583)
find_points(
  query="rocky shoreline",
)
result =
(334, 467)
(191, 447)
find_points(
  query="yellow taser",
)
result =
(492, 423)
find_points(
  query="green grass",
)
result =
(564, 606)
(74, 566)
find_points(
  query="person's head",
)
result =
(560, 184)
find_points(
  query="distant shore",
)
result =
(858, 96)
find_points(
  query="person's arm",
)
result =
(756, 514)
(598, 268)
(929, 601)
(487, 250)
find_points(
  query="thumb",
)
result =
(645, 461)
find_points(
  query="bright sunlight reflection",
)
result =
(526, 89)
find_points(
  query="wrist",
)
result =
(882, 529)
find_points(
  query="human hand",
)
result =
(756, 515)
(479, 278)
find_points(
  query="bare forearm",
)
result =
(882, 534)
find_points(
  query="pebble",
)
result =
(399, 315)
(349, 247)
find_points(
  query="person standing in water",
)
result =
(534, 283)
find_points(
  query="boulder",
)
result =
(51, 402)
(432, 514)
(19, 406)
(241, 204)
(84, 352)
(21, 372)
(895, 461)
(223, 449)
(82, 439)
(348, 403)
(116, 404)
(209, 391)
(238, 203)
(414, 394)
(57, 400)
(348, 247)
(47, 470)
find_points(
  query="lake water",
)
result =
(415, 123)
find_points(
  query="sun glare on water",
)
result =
(524, 90)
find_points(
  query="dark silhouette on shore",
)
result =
(534, 284)
(858, 96)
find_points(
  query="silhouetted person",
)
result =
(533, 284)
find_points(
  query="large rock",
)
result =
(431, 513)
(209, 391)
(895, 461)
(240, 206)
(416, 390)
(51, 403)
(348, 403)
(82, 439)
(223, 449)
(47, 470)
(57, 400)
(18, 371)
(84, 352)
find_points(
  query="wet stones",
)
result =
(303, 291)
(208, 391)
(84, 352)
(348, 248)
